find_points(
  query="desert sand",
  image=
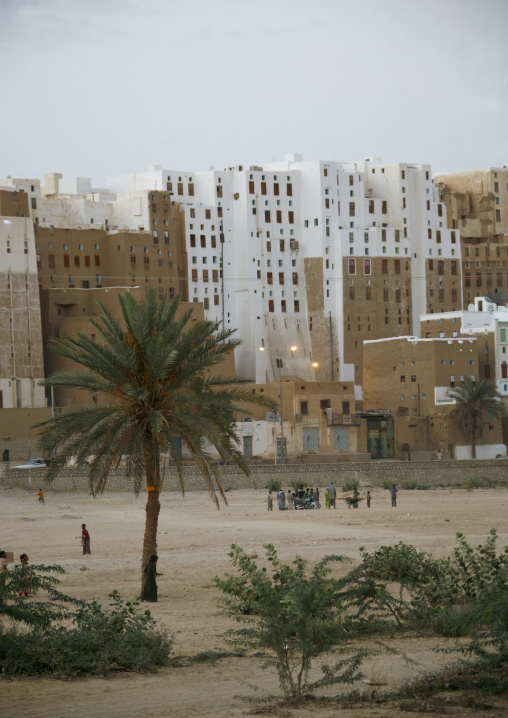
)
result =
(194, 539)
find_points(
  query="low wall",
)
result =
(428, 473)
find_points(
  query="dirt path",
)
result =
(193, 546)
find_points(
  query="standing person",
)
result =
(316, 494)
(393, 492)
(24, 575)
(40, 494)
(85, 539)
(291, 501)
(281, 500)
(150, 588)
(270, 501)
(327, 500)
(368, 497)
(331, 495)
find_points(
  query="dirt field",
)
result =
(194, 539)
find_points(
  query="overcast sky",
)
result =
(95, 88)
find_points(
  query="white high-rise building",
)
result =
(317, 255)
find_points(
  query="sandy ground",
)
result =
(194, 538)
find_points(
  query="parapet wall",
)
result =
(427, 473)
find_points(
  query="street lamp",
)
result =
(278, 361)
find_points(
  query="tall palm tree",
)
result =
(473, 399)
(153, 379)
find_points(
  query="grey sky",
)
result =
(103, 87)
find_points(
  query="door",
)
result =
(177, 443)
(310, 439)
(380, 438)
(247, 447)
(282, 448)
(340, 438)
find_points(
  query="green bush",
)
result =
(273, 484)
(350, 484)
(296, 483)
(78, 640)
(476, 482)
(387, 484)
(409, 485)
(293, 617)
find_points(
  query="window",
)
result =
(371, 206)
(279, 216)
(384, 207)
(267, 215)
(384, 266)
(289, 189)
(297, 305)
(97, 260)
(368, 293)
(502, 335)
(66, 260)
(304, 407)
(351, 209)
(271, 306)
(366, 266)
(352, 266)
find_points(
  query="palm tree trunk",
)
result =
(152, 510)
(473, 437)
(152, 507)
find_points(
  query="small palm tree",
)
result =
(473, 399)
(152, 375)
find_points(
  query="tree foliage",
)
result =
(474, 398)
(151, 377)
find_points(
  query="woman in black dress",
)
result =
(150, 587)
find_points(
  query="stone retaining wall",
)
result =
(427, 473)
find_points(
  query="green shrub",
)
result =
(350, 484)
(273, 484)
(84, 639)
(296, 483)
(476, 482)
(409, 485)
(293, 617)
(387, 484)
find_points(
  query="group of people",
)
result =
(312, 495)
(302, 495)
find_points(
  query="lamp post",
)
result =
(278, 361)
